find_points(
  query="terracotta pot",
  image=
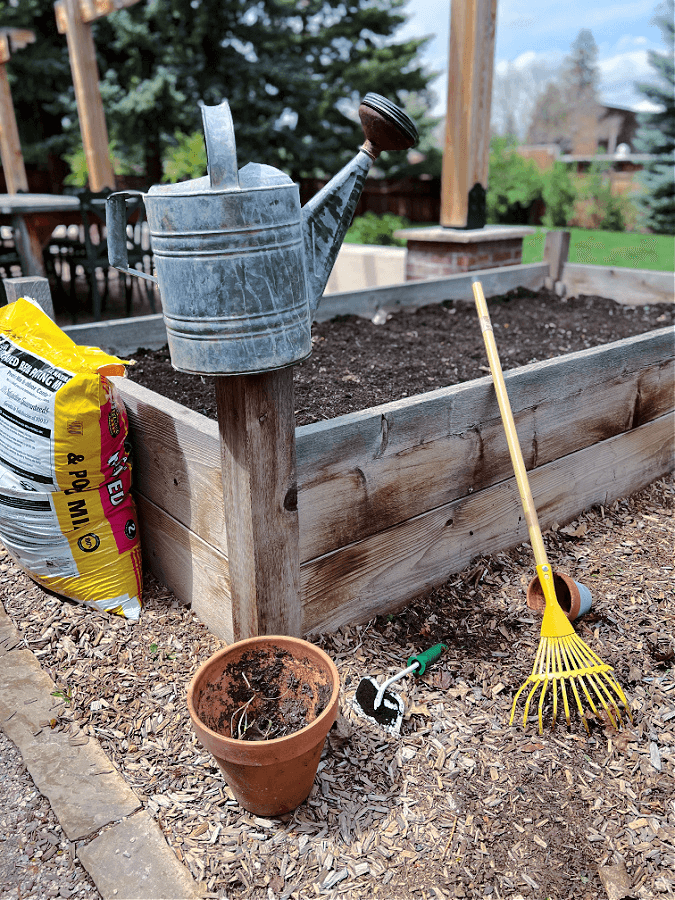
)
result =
(575, 598)
(267, 777)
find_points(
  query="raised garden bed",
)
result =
(393, 499)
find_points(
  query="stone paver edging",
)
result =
(119, 844)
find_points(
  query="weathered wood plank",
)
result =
(365, 472)
(556, 250)
(631, 286)
(260, 493)
(121, 336)
(196, 572)
(413, 294)
(372, 469)
(33, 286)
(176, 460)
(384, 571)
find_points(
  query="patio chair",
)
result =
(84, 247)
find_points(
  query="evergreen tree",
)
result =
(657, 134)
(567, 107)
(292, 70)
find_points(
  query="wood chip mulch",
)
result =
(460, 805)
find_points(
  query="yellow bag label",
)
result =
(66, 511)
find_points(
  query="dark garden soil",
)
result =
(265, 694)
(356, 364)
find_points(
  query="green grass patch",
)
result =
(610, 248)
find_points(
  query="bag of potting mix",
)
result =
(67, 516)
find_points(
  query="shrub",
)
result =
(597, 207)
(186, 159)
(123, 164)
(514, 184)
(560, 194)
(373, 229)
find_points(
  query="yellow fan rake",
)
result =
(563, 659)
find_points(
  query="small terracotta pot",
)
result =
(574, 598)
(267, 777)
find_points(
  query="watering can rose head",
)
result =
(241, 266)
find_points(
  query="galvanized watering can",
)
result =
(241, 267)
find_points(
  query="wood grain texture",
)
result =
(372, 469)
(631, 286)
(121, 336)
(195, 571)
(257, 440)
(35, 287)
(363, 473)
(10, 145)
(176, 460)
(82, 54)
(467, 128)
(556, 251)
(384, 571)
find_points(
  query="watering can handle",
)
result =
(116, 225)
(221, 149)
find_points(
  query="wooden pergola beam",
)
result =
(10, 146)
(73, 18)
(467, 129)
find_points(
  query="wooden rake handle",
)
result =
(511, 434)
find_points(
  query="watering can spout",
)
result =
(328, 215)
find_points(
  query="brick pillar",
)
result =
(436, 252)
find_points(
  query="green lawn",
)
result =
(610, 248)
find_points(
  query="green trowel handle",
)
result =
(429, 656)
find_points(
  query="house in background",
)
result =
(600, 133)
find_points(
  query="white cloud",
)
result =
(618, 75)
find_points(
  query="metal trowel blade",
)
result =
(389, 714)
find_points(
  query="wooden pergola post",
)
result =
(73, 18)
(10, 147)
(467, 129)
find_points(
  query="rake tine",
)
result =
(515, 701)
(595, 679)
(563, 688)
(568, 655)
(529, 698)
(541, 705)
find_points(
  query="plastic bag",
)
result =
(66, 512)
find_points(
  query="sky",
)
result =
(542, 31)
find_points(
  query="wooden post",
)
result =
(257, 445)
(467, 128)
(556, 251)
(10, 147)
(36, 288)
(73, 18)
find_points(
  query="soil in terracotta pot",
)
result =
(265, 694)
(356, 364)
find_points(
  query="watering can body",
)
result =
(240, 265)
